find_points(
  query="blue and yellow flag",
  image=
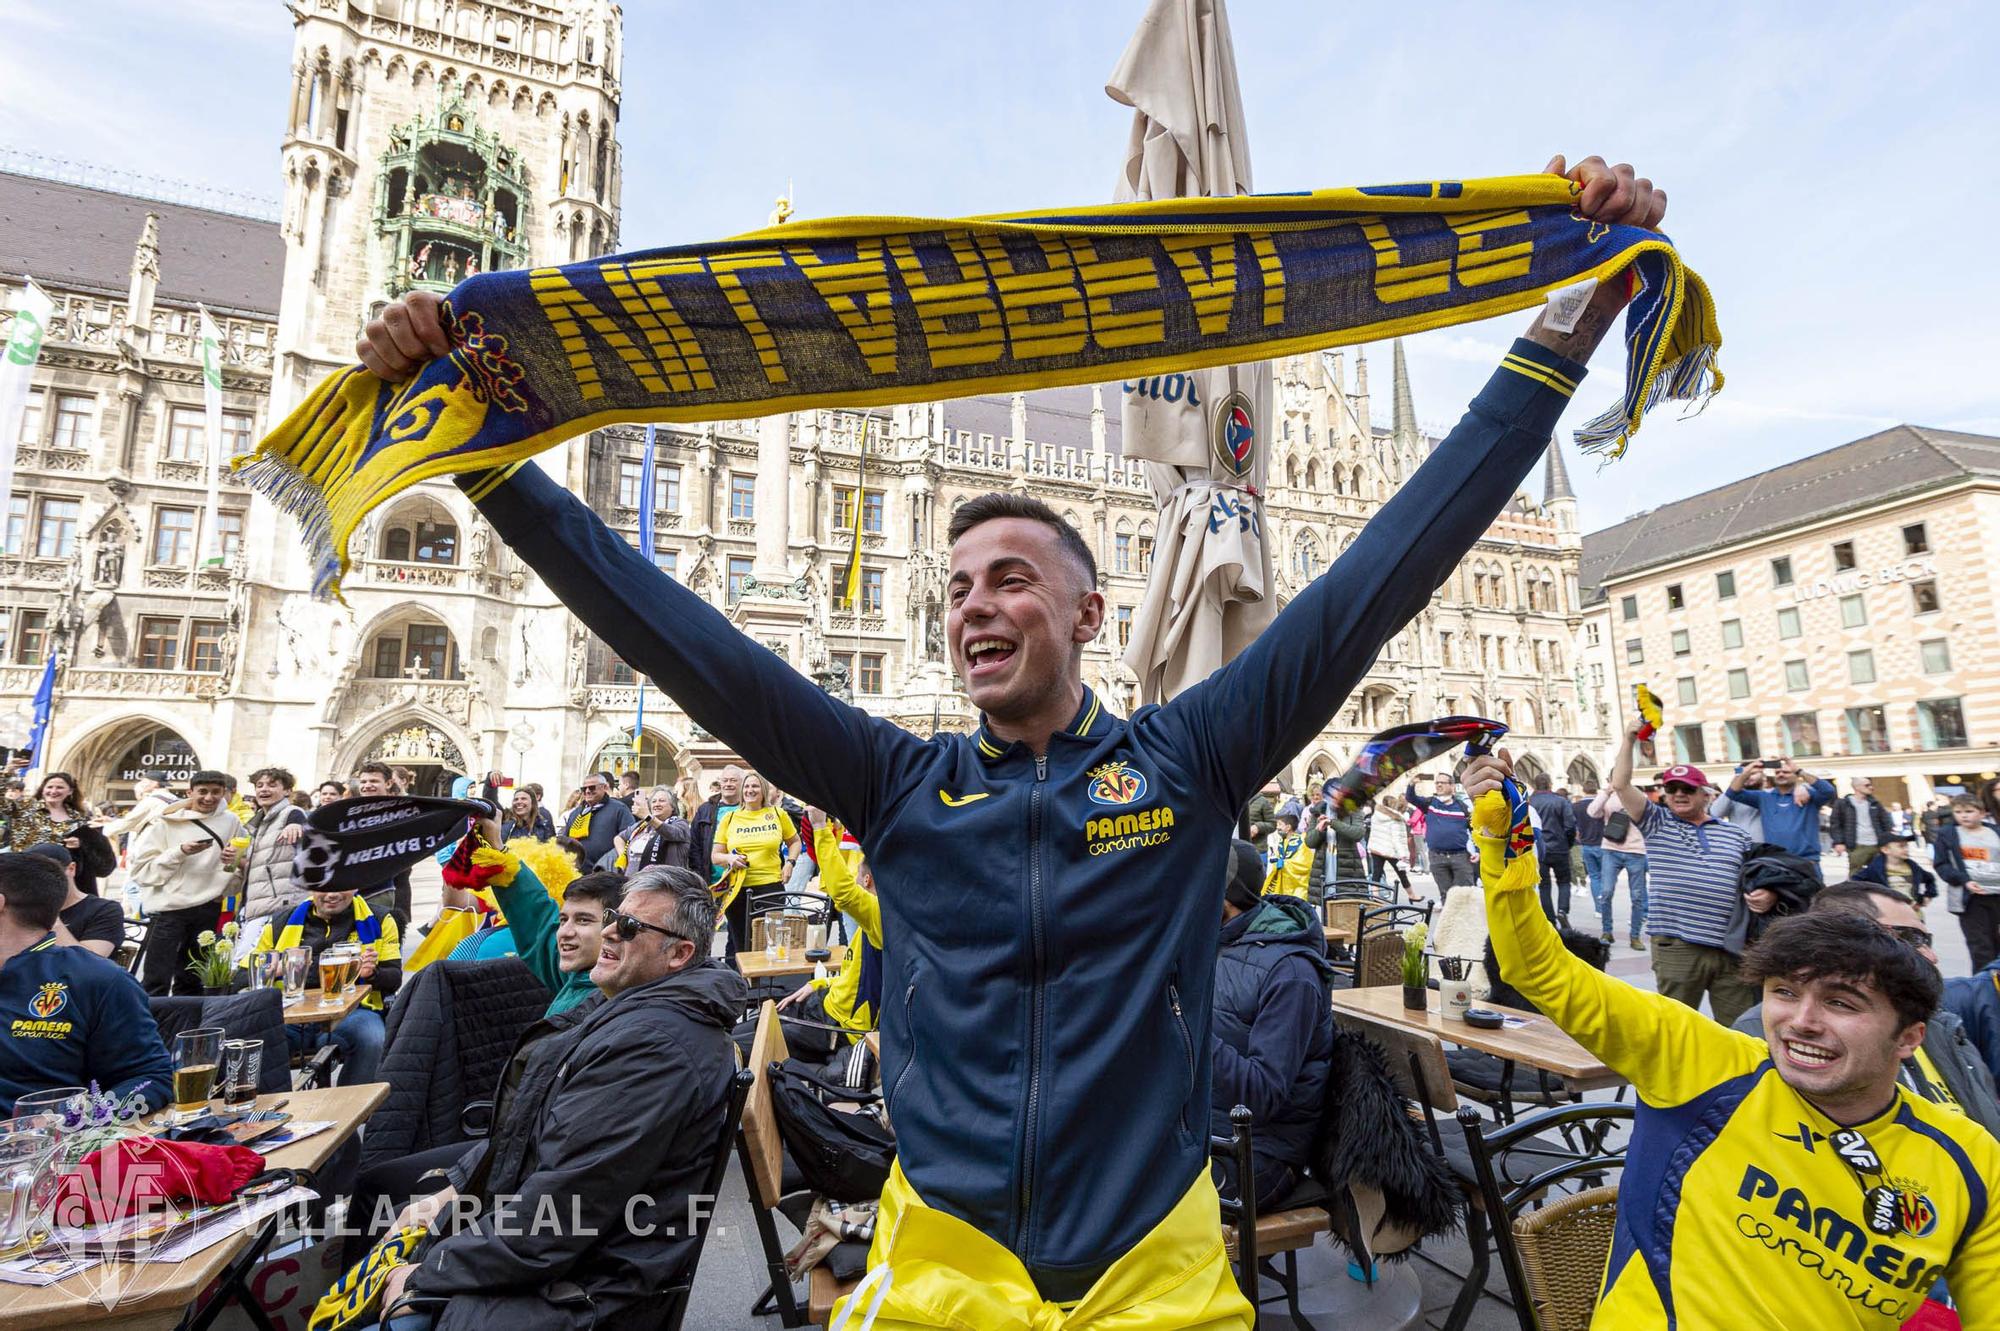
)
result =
(870, 311)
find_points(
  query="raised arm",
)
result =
(1254, 714)
(1628, 794)
(1668, 1051)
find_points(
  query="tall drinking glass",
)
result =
(298, 966)
(242, 1060)
(197, 1055)
(28, 1181)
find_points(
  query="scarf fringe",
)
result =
(1693, 379)
(295, 493)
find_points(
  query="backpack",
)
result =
(842, 1153)
(1618, 826)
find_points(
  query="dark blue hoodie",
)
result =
(1045, 1023)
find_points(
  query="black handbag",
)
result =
(836, 1134)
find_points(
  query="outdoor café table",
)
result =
(157, 1295)
(756, 966)
(309, 1011)
(1537, 1042)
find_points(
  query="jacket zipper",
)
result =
(1023, 1246)
(1187, 1047)
(910, 1033)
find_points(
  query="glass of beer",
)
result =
(332, 982)
(242, 1061)
(197, 1054)
(298, 966)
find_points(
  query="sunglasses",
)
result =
(627, 927)
(1678, 789)
(1912, 935)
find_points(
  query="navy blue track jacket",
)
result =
(73, 1018)
(1046, 998)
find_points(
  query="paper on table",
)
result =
(291, 1132)
(32, 1270)
(213, 1229)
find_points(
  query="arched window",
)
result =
(1312, 476)
(413, 648)
(420, 533)
(1306, 561)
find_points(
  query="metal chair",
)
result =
(1378, 949)
(1253, 1239)
(1516, 1167)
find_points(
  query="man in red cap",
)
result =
(1699, 914)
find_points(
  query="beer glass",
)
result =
(261, 966)
(329, 977)
(29, 1176)
(298, 965)
(242, 1060)
(196, 1056)
(44, 1109)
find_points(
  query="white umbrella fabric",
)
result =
(1201, 433)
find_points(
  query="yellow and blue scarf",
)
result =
(874, 310)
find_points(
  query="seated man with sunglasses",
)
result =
(605, 1119)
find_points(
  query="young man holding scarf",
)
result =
(322, 920)
(1052, 1163)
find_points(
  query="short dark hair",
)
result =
(379, 769)
(209, 777)
(338, 785)
(997, 504)
(34, 886)
(277, 774)
(629, 774)
(1542, 781)
(606, 889)
(1852, 898)
(1285, 816)
(1834, 945)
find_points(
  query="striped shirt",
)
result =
(1694, 877)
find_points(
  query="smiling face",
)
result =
(1020, 614)
(1836, 1040)
(327, 793)
(594, 790)
(57, 792)
(522, 805)
(330, 905)
(205, 798)
(579, 932)
(752, 791)
(1685, 801)
(731, 785)
(662, 803)
(267, 791)
(626, 964)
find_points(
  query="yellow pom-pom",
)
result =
(550, 862)
(1491, 817)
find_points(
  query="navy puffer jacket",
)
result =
(1273, 1034)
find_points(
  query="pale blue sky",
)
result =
(1829, 165)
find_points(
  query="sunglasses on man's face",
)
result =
(1682, 790)
(1912, 935)
(627, 927)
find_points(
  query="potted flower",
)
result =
(214, 961)
(1415, 975)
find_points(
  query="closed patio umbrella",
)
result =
(1200, 433)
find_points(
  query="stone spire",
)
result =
(1403, 423)
(145, 280)
(1558, 500)
(1555, 476)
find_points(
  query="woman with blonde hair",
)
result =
(750, 842)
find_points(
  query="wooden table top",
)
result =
(309, 1011)
(757, 966)
(1539, 1043)
(1338, 933)
(155, 1295)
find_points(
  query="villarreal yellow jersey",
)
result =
(1735, 1210)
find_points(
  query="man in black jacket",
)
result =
(1558, 834)
(1272, 1042)
(1857, 837)
(606, 1121)
(701, 838)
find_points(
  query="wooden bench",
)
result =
(823, 1290)
(762, 1153)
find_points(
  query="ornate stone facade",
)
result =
(417, 144)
